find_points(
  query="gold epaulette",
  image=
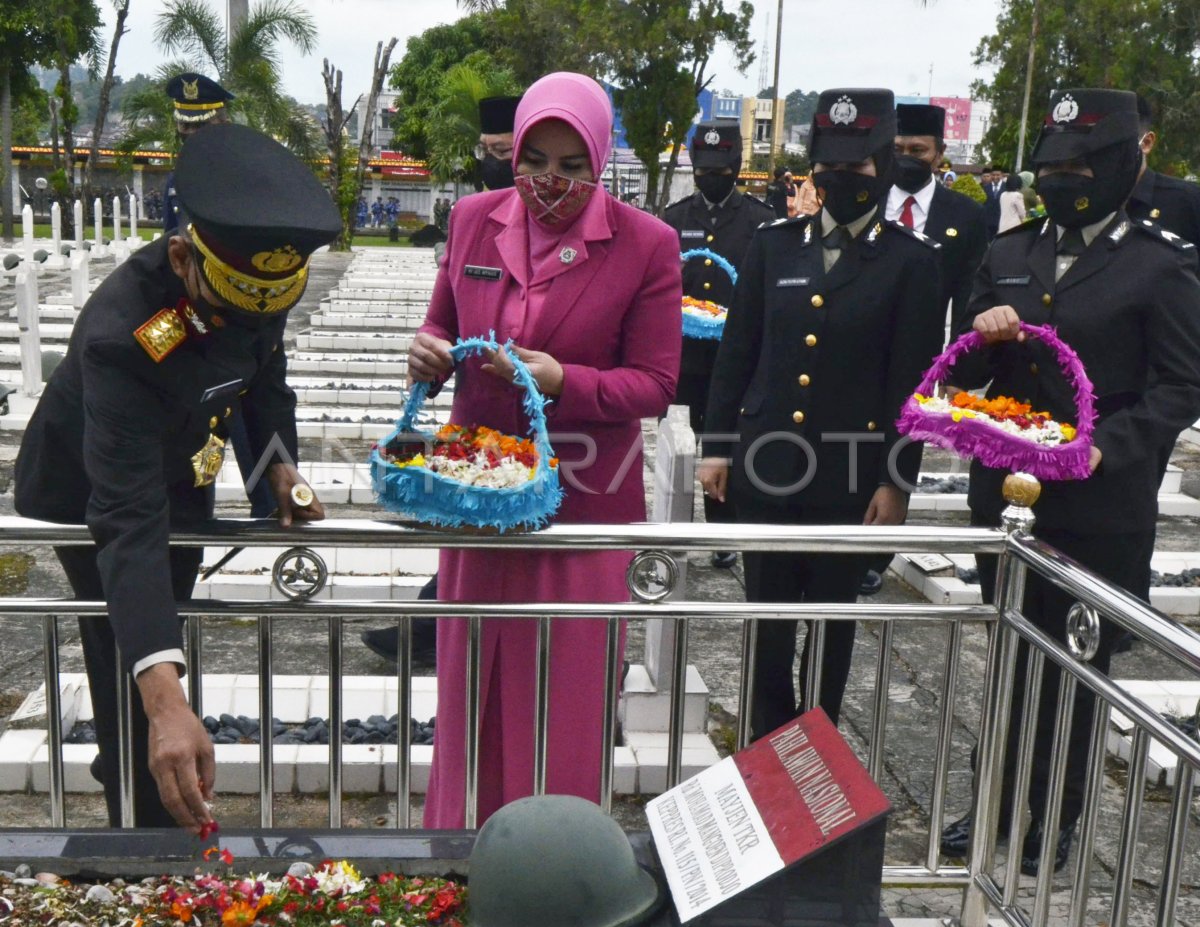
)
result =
(161, 335)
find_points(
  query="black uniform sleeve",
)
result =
(916, 341)
(269, 408)
(974, 370)
(125, 424)
(976, 232)
(741, 345)
(1171, 403)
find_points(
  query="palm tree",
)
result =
(247, 64)
(453, 127)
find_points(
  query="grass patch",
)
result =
(146, 234)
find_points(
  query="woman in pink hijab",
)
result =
(589, 291)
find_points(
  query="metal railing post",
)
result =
(1091, 804)
(335, 721)
(746, 689)
(266, 733)
(1063, 716)
(941, 766)
(54, 733)
(125, 741)
(194, 669)
(608, 733)
(474, 633)
(678, 704)
(1131, 822)
(883, 686)
(404, 723)
(541, 706)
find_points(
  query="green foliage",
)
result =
(419, 75)
(536, 37)
(800, 107)
(1148, 46)
(968, 184)
(650, 109)
(453, 129)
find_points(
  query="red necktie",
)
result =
(906, 216)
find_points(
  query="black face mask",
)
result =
(715, 187)
(1074, 201)
(911, 173)
(496, 173)
(847, 195)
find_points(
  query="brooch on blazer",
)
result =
(567, 255)
(206, 462)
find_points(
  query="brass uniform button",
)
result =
(1155, 213)
(1047, 299)
(708, 262)
(871, 426)
(707, 285)
(1033, 368)
(228, 411)
(811, 341)
(818, 301)
(798, 418)
(951, 233)
(709, 238)
(212, 422)
(804, 379)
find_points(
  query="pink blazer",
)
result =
(611, 318)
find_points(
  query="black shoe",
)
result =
(1123, 644)
(870, 584)
(386, 643)
(1031, 849)
(724, 559)
(956, 837)
(96, 770)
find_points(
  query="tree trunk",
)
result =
(67, 115)
(102, 107)
(6, 216)
(335, 121)
(383, 57)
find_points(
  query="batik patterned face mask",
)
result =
(552, 198)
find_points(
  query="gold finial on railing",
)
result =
(1020, 491)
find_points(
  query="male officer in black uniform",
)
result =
(1124, 294)
(129, 435)
(1170, 202)
(834, 320)
(199, 102)
(719, 218)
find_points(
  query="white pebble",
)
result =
(100, 894)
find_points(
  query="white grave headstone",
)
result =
(116, 219)
(98, 221)
(79, 278)
(133, 216)
(56, 229)
(27, 327)
(27, 231)
(78, 214)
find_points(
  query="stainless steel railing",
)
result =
(988, 885)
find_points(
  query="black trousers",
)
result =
(691, 390)
(99, 654)
(262, 503)
(786, 577)
(1122, 559)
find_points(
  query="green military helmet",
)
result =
(558, 861)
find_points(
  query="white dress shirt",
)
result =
(921, 203)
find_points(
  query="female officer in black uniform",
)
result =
(834, 320)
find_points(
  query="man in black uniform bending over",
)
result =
(718, 218)
(130, 432)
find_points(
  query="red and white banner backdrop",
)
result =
(958, 117)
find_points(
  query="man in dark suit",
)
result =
(834, 320)
(950, 218)
(992, 181)
(130, 432)
(718, 218)
(198, 102)
(1170, 202)
(1125, 296)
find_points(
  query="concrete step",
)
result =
(933, 575)
(325, 363)
(336, 342)
(341, 322)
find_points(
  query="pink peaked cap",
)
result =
(575, 99)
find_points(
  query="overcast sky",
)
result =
(884, 43)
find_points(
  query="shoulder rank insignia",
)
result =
(1119, 232)
(161, 335)
(874, 233)
(808, 234)
(1170, 238)
(911, 233)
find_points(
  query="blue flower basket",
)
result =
(440, 502)
(694, 326)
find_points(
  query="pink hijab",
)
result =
(575, 99)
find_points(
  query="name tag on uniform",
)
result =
(1013, 281)
(483, 273)
(221, 389)
(792, 281)
(692, 233)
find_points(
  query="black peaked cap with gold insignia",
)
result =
(1082, 121)
(256, 213)
(852, 123)
(920, 119)
(197, 98)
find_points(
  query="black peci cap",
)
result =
(851, 124)
(920, 119)
(1082, 121)
(717, 144)
(256, 214)
(497, 115)
(197, 98)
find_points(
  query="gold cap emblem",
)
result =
(279, 261)
(191, 89)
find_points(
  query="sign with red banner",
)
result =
(958, 117)
(782, 799)
(398, 164)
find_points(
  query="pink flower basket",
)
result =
(978, 437)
